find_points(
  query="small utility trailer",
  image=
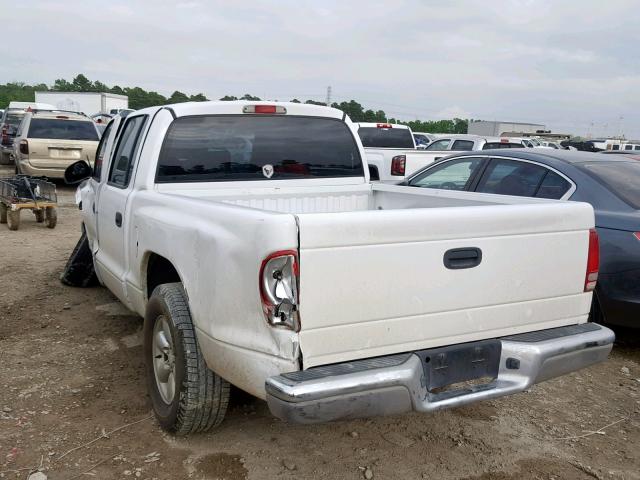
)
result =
(23, 192)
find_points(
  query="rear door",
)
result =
(112, 225)
(382, 282)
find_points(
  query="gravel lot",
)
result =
(72, 374)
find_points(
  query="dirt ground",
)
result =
(73, 403)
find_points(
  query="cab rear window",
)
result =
(493, 145)
(386, 137)
(61, 129)
(209, 148)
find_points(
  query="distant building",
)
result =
(496, 129)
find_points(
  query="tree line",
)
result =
(141, 98)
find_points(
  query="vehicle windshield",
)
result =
(621, 178)
(386, 137)
(212, 148)
(60, 129)
(14, 119)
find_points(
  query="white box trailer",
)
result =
(89, 103)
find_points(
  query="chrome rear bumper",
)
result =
(397, 383)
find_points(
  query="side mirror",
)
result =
(77, 172)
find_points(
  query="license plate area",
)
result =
(447, 366)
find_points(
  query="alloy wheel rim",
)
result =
(164, 361)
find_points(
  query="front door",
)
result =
(111, 256)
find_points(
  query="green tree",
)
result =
(228, 98)
(61, 85)
(250, 97)
(178, 97)
(82, 84)
(198, 98)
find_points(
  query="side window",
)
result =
(122, 161)
(553, 186)
(97, 164)
(628, 147)
(512, 177)
(462, 145)
(439, 144)
(451, 175)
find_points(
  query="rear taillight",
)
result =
(278, 278)
(593, 262)
(24, 147)
(5, 135)
(398, 164)
(384, 125)
(637, 235)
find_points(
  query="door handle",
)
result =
(458, 258)
(118, 219)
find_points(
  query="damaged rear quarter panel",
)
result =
(217, 250)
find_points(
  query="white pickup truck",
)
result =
(249, 237)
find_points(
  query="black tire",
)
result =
(200, 397)
(13, 219)
(79, 270)
(39, 215)
(51, 217)
(3, 213)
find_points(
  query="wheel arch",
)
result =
(157, 269)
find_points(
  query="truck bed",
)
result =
(373, 280)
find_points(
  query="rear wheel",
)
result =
(51, 217)
(13, 219)
(187, 397)
(39, 215)
(3, 213)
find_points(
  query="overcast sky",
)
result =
(571, 65)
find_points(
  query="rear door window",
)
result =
(60, 129)
(386, 137)
(522, 179)
(439, 144)
(450, 175)
(462, 145)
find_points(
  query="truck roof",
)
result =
(236, 106)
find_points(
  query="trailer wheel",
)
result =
(51, 217)
(13, 219)
(186, 396)
(39, 213)
(3, 213)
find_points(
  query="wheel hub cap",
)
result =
(164, 360)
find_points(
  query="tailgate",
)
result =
(59, 153)
(375, 282)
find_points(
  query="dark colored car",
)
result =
(9, 124)
(611, 184)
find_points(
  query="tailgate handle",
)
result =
(458, 258)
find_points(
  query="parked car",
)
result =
(48, 141)
(423, 139)
(407, 162)
(610, 184)
(9, 123)
(249, 237)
